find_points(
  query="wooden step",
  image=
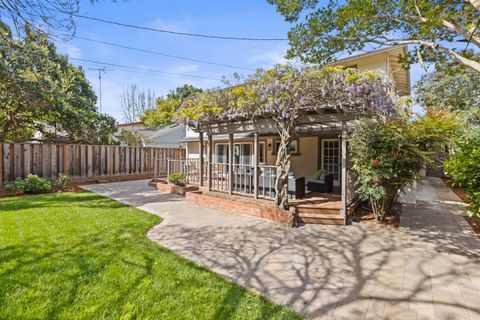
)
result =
(320, 220)
(315, 210)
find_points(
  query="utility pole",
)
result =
(100, 70)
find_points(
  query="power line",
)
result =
(162, 54)
(209, 36)
(145, 69)
(128, 68)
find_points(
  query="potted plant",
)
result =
(178, 180)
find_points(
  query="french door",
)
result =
(331, 158)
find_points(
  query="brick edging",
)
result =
(241, 207)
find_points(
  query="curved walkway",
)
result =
(428, 269)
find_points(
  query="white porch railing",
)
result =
(243, 179)
(189, 167)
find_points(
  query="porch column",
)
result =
(200, 147)
(255, 165)
(344, 172)
(230, 163)
(209, 163)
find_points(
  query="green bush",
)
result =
(386, 158)
(177, 178)
(10, 187)
(33, 184)
(464, 168)
(63, 180)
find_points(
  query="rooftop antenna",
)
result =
(100, 70)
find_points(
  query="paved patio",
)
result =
(428, 269)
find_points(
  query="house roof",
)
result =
(393, 67)
(138, 123)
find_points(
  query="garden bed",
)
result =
(392, 221)
(474, 222)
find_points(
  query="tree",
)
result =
(283, 94)
(167, 107)
(183, 92)
(438, 29)
(163, 114)
(451, 86)
(464, 168)
(135, 102)
(57, 15)
(130, 138)
(45, 98)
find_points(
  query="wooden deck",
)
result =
(318, 208)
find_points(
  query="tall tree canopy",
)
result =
(43, 97)
(167, 107)
(440, 29)
(451, 86)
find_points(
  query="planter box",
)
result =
(163, 186)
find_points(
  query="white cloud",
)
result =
(179, 24)
(69, 49)
(267, 58)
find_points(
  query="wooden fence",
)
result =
(81, 161)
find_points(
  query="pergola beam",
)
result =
(269, 125)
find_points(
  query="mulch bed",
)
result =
(364, 215)
(73, 187)
(460, 192)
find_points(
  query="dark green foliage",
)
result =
(10, 187)
(436, 30)
(464, 168)
(45, 98)
(33, 184)
(451, 86)
(183, 92)
(177, 178)
(386, 158)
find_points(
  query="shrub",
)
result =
(33, 184)
(464, 168)
(10, 187)
(177, 178)
(386, 158)
(318, 174)
(63, 180)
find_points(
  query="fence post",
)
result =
(201, 158)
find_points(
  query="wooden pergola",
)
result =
(326, 120)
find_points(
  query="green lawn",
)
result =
(82, 256)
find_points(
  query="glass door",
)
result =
(331, 160)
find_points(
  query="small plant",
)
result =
(318, 174)
(177, 178)
(10, 187)
(33, 184)
(63, 180)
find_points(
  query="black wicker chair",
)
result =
(323, 185)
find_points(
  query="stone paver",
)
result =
(428, 269)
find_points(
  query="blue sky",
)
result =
(249, 18)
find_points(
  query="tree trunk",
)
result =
(285, 129)
(383, 206)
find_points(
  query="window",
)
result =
(221, 153)
(261, 153)
(292, 147)
(242, 153)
